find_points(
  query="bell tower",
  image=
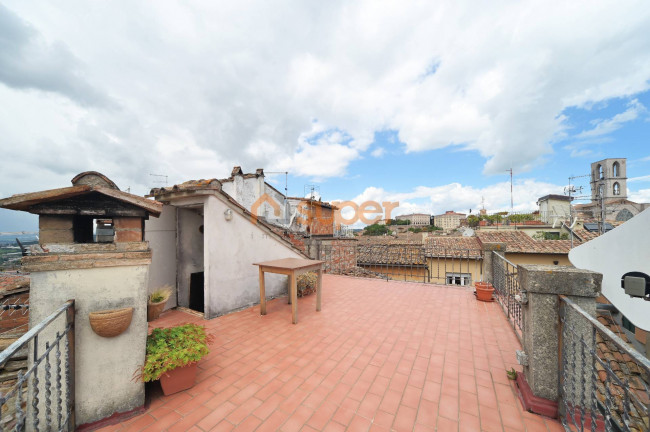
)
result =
(609, 179)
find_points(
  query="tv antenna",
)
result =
(512, 206)
(311, 190)
(572, 191)
(160, 179)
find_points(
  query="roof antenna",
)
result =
(158, 179)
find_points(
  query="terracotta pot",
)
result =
(484, 291)
(178, 379)
(154, 310)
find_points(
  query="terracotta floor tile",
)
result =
(391, 401)
(446, 425)
(322, 415)
(427, 413)
(405, 418)
(188, 421)
(448, 407)
(249, 424)
(386, 362)
(359, 424)
(369, 406)
(468, 423)
(216, 415)
(297, 420)
(383, 419)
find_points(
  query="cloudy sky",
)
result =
(426, 103)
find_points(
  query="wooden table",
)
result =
(292, 267)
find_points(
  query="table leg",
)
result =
(293, 293)
(289, 291)
(319, 287)
(262, 293)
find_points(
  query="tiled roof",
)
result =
(465, 247)
(190, 185)
(11, 283)
(584, 235)
(520, 242)
(393, 254)
(626, 369)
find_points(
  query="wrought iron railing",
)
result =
(42, 397)
(604, 382)
(507, 292)
(454, 266)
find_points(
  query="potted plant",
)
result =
(484, 291)
(157, 301)
(306, 283)
(172, 356)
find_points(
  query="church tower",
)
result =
(609, 179)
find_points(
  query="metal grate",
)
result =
(42, 397)
(600, 391)
(507, 292)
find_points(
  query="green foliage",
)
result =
(542, 235)
(415, 230)
(512, 374)
(400, 222)
(375, 230)
(431, 228)
(174, 347)
(160, 295)
(518, 218)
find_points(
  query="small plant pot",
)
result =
(154, 310)
(484, 291)
(110, 323)
(179, 379)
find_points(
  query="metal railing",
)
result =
(604, 382)
(507, 292)
(48, 383)
(450, 266)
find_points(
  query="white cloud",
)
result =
(639, 179)
(606, 126)
(240, 83)
(640, 196)
(378, 152)
(458, 197)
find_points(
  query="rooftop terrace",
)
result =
(380, 356)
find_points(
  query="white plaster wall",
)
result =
(190, 247)
(231, 248)
(622, 250)
(246, 191)
(161, 235)
(229, 188)
(104, 366)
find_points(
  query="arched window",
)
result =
(601, 172)
(616, 168)
(617, 189)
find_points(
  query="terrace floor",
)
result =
(380, 356)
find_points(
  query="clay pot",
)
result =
(484, 291)
(178, 379)
(154, 310)
(110, 323)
